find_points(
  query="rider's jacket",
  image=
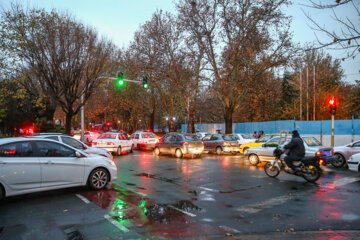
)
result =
(296, 147)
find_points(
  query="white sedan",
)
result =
(354, 162)
(114, 142)
(33, 165)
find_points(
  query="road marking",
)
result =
(116, 224)
(257, 207)
(345, 180)
(177, 209)
(84, 199)
(229, 229)
(131, 190)
(209, 189)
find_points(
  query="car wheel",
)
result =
(178, 153)
(2, 193)
(339, 160)
(253, 159)
(118, 151)
(218, 150)
(98, 179)
(157, 151)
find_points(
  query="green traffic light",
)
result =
(145, 85)
(120, 79)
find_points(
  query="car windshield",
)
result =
(148, 135)
(265, 138)
(247, 136)
(191, 137)
(311, 141)
(229, 138)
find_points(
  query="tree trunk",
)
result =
(49, 112)
(171, 126)
(152, 120)
(69, 116)
(192, 123)
(228, 119)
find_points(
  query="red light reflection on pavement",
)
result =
(150, 219)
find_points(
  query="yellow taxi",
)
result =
(258, 142)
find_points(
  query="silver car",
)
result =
(265, 152)
(343, 153)
(36, 164)
(219, 143)
(63, 138)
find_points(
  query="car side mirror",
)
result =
(78, 154)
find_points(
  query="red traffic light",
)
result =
(108, 124)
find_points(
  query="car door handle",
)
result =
(49, 162)
(1, 162)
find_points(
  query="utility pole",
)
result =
(307, 94)
(82, 117)
(301, 94)
(314, 101)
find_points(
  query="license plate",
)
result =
(327, 153)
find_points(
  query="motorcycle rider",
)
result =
(296, 150)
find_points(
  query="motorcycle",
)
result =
(309, 167)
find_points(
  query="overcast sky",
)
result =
(119, 19)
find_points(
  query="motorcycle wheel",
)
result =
(271, 171)
(313, 175)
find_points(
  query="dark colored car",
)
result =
(219, 143)
(179, 144)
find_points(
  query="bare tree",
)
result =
(348, 37)
(241, 40)
(63, 55)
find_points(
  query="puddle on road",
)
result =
(149, 218)
(153, 176)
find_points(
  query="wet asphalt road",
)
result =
(209, 197)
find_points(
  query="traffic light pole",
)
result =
(332, 129)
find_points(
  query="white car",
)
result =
(114, 142)
(144, 140)
(35, 164)
(354, 162)
(75, 144)
(243, 138)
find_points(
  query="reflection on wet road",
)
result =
(213, 196)
(217, 195)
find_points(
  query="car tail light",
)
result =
(185, 143)
(319, 153)
(322, 162)
(93, 143)
(333, 152)
(202, 142)
(225, 143)
(110, 143)
(146, 141)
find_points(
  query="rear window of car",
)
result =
(229, 138)
(191, 137)
(107, 136)
(148, 135)
(247, 136)
(311, 141)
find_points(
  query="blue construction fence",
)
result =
(342, 127)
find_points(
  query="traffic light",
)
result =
(332, 105)
(120, 79)
(145, 82)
